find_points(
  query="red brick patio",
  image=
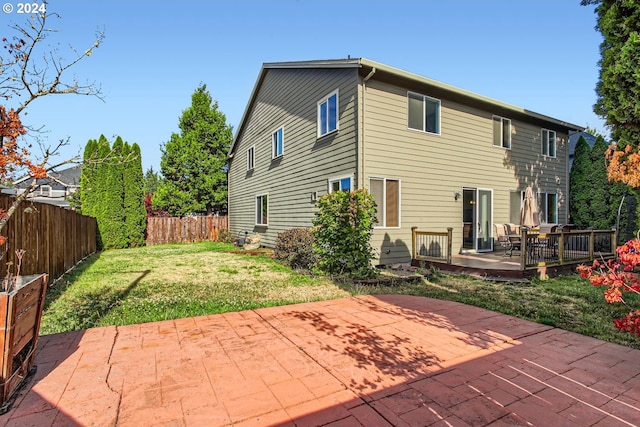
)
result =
(361, 361)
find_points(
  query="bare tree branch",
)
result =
(23, 73)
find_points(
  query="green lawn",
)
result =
(152, 283)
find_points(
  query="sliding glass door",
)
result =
(477, 219)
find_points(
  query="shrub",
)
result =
(224, 236)
(295, 247)
(342, 230)
(618, 276)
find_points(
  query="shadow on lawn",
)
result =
(91, 306)
(59, 286)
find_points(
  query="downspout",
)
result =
(362, 138)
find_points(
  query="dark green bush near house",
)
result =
(295, 248)
(342, 230)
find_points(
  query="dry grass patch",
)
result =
(172, 281)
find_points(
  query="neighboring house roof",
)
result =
(379, 71)
(575, 136)
(53, 190)
(573, 141)
(66, 178)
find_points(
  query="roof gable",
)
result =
(372, 69)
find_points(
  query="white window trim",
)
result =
(545, 144)
(424, 116)
(322, 101)
(384, 196)
(251, 164)
(339, 178)
(256, 210)
(45, 190)
(273, 143)
(502, 119)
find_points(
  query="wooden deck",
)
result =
(536, 255)
(496, 266)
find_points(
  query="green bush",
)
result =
(295, 247)
(342, 229)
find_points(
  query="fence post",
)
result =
(413, 242)
(592, 244)
(449, 243)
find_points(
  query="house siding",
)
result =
(432, 168)
(288, 98)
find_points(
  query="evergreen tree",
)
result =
(135, 212)
(618, 87)
(194, 162)
(88, 178)
(580, 185)
(151, 181)
(602, 211)
(112, 217)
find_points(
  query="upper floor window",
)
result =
(250, 158)
(328, 114)
(424, 113)
(340, 184)
(501, 132)
(548, 143)
(386, 193)
(277, 143)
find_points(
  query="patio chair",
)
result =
(502, 236)
(514, 233)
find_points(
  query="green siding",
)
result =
(373, 130)
(288, 98)
(432, 168)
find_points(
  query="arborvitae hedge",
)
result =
(112, 190)
(134, 210)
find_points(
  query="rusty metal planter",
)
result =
(20, 315)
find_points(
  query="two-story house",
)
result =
(54, 190)
(433, 155)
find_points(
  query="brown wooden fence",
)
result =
(162, 230)
(54, 239)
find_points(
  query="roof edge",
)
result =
(364, 62)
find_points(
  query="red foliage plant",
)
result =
(619, 276)
(12, 156)
(151, 212)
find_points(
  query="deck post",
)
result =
(523, 248)
(413, 242)
(449, 243)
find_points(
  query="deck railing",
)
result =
(431, 245)
(536, 249)
(541, 249)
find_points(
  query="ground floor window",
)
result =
(548, 204)
(340, 184)
(386, 193)
(262, 209)
(515, 205)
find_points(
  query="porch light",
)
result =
(456, 195)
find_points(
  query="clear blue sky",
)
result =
(537, 54)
